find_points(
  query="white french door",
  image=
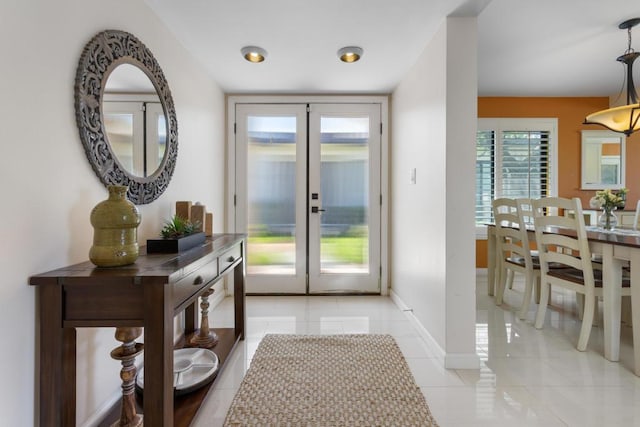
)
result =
(344, 186)
(271, 188)
(308, 196)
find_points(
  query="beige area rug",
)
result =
(329, 380)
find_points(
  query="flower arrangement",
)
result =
(608, 200)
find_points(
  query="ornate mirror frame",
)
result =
(100, 57)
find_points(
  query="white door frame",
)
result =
(233, 100)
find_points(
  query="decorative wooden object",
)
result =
(208, 224)
(183, 209)
(127, 353)
(198, 215)
(205, 337)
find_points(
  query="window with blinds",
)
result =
(513, 159)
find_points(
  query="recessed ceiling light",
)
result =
(350, 54)
(253, 53)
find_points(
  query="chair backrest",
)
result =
(511, 230)
(525, 210)
(570, 249)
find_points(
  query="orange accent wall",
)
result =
(570, 113)
(612, 149)
(481, 254)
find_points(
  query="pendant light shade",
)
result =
(624, 119)
(619, 119)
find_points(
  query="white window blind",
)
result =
(485, 171)
(525, 159)
(515, 158)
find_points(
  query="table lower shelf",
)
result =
(186, 406)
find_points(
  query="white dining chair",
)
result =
(514, 250)
(573, 253)
(525, 211)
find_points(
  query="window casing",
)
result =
(514, 158)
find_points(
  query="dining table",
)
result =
(616, 247)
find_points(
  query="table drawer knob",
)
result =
(231, 259)
(198, 281)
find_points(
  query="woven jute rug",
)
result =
(329, 380)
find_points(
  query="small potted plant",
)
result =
(178, 234)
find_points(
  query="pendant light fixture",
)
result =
(623, 119)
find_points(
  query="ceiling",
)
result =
(525, 48)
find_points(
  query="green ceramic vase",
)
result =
(115, 224)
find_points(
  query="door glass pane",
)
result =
(344, 184)
(155, 138)
(271, 192)
(119, 128)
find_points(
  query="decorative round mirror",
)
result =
(126, 116)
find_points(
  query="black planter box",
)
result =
(169, 246)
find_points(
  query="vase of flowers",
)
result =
(608, 220)
(608, 201)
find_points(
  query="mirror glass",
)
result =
(134, 120)
(126, 116)
(603, 160)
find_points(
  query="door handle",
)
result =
(315, 209)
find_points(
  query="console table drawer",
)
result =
(184, 288)
(229, 257)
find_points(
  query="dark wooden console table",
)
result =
(148, 293)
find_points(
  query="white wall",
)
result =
(432, 243)
(49, 188)
(462, 113)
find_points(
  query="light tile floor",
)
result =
(528, 377)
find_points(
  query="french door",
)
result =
(308, 196)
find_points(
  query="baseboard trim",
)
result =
(451, 360)
(422, 331)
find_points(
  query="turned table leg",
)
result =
(127, 353)
(205, 337)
